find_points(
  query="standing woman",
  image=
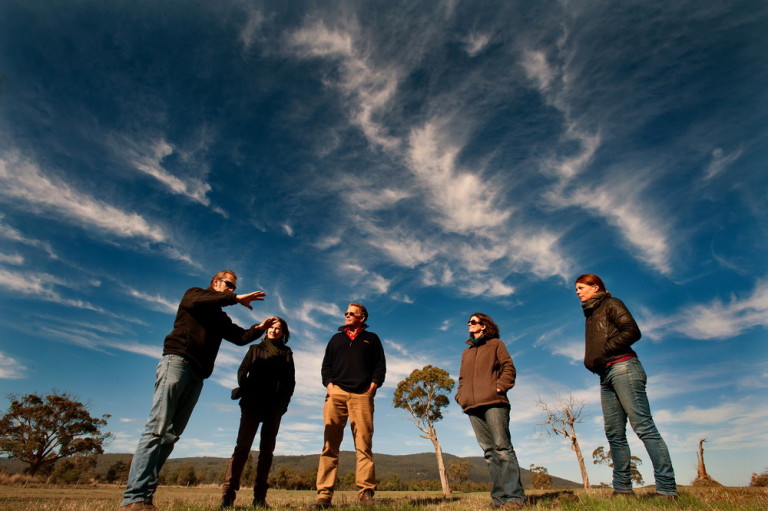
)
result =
(267, 379)
(610, 331)
(486, 374)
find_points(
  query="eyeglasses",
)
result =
(230, 285)
(347, 314)
(474, 322)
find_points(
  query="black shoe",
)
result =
(260, 502)
(227, 502)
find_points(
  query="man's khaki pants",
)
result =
(340, 405)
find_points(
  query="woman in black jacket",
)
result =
(610, 332)
(267, 379)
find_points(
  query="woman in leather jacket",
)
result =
(610, 332)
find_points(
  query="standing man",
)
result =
(353, 368)
(188, 356)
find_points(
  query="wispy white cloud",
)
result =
(159, 302)
(9, 232)
(622, 204)
(307, 311)
(717, 319)
(23, 181)
(147, 156)
(720, 161)
(41, 286)
(475, 42)
(10, 368)
(12, 259)
(368, 85)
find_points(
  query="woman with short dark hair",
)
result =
(267, 379)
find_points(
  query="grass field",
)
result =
(104, 497)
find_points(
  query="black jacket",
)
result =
(353, 365)
(201, 325)
(267, 380)
(609, 333)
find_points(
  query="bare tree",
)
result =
(423, 395)
(561, 420)
(702, 477)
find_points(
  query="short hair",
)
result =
(362, 309)
(491, 328)
(221, 274)
(284, 328)
(591, 279)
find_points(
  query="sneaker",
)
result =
(322, 504)
(366, 497)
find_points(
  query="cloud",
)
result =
(367, 85)
(9, 232)
(13, 259)
(23, 181)
(720, 319)
(41, 287)
(465, 200)
(537, 69)
(159, 303)
(476, 42)
(307, 310)
(721, 161)
(10, 368)
(153, 157)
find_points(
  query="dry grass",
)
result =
(34, 497)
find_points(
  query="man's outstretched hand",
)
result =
(246, 299)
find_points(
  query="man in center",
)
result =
(353, 368)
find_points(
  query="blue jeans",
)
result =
(622, 393)
(491, 425)
(177, 388)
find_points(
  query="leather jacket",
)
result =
(610, 330)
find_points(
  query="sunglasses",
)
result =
(347, 314)
(229, 284)
(474, 322)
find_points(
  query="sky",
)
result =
(428, 159)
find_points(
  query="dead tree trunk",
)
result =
(702, 478)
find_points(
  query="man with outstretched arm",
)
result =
(189, 353)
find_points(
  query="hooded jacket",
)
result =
(610, 330)
(485, 366)
(200, 326)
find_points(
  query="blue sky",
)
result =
(430, 159)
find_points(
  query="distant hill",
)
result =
(408, 467)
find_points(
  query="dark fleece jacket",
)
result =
(201, 325)
(354, 364)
